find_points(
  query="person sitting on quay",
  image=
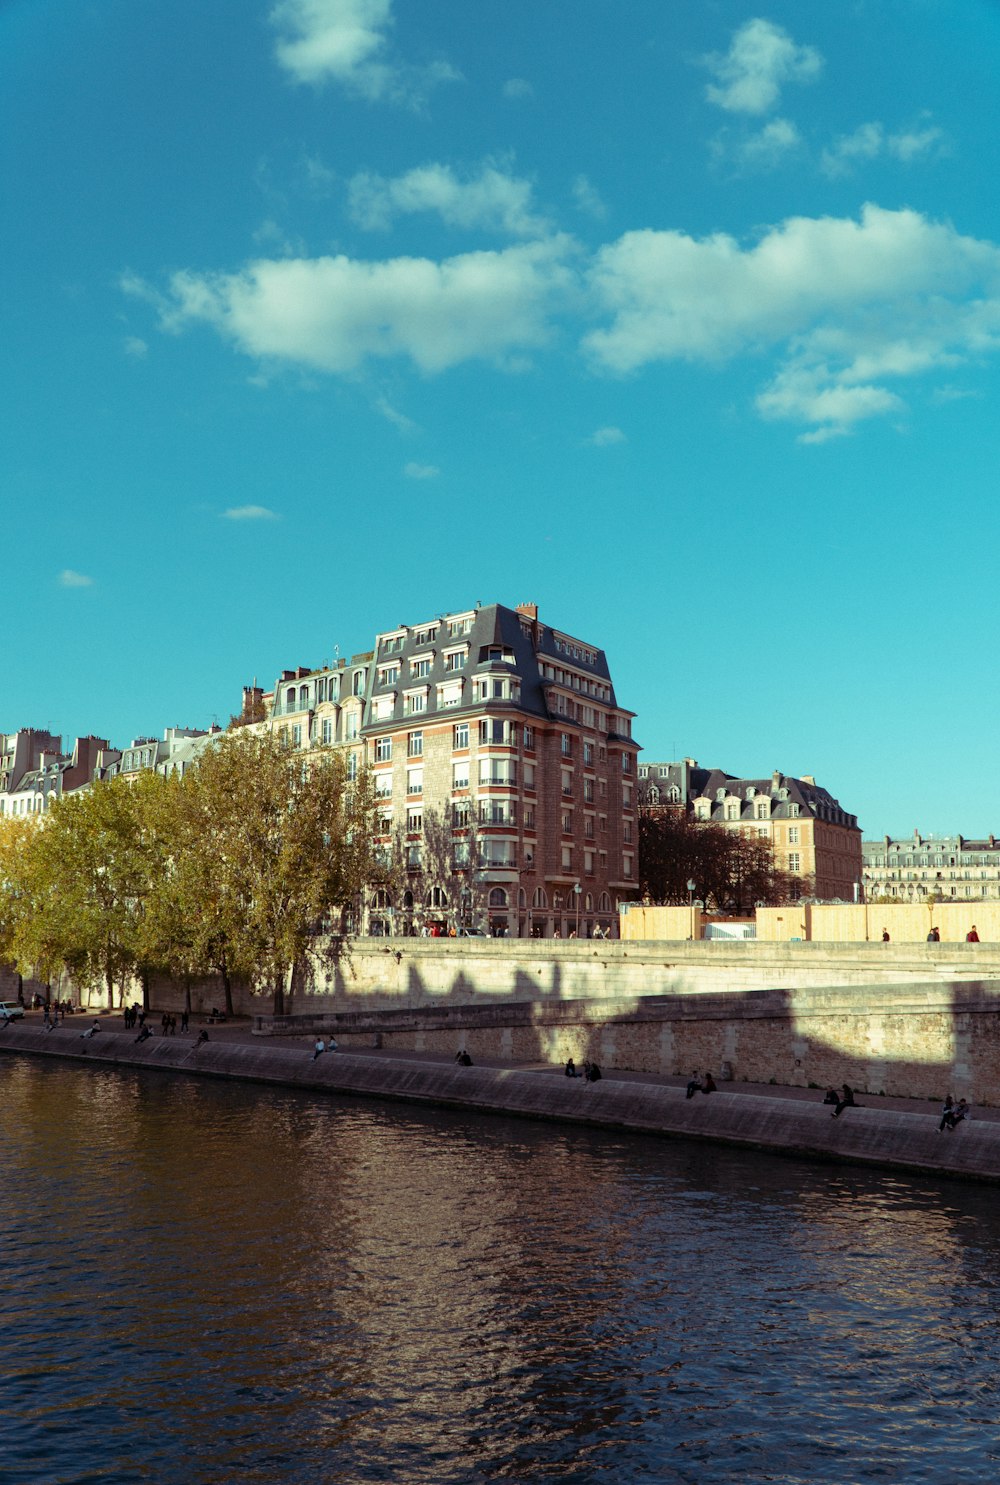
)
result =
(845, 1102)
(570, 1069)
(934, 937)
(592, 1072)
(946, 1111)
(831, 1096)
(91, 1030)
(319, 1048)
(202, 1037)
(708, 1084)
(144, 1032)
(694, 1085)
(955, 1116)
(885, 935)
(463, 1058)
(972, 937)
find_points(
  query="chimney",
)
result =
(808, 778)
(776, 780)
(528, 611)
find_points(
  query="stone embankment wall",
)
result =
(874, 1136)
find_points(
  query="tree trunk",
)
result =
(227, 986)
(144, 979)
(109, 981)
(187, 994)
(279, 995)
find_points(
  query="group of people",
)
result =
(841, 1101)
(463, 1059)
(953, 1113)
(590, 1072)
(322, 1046)
(699, 1084)
(934, 935)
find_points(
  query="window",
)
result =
(415, 821)
(565, 745)
(492, 730)
(415, 701)
(460, 735)
(383, 785)
(588, 864)
(458, 626)
(588, 790)
(793, 861)
(351, 726)
(388, 675)
(460, 852)
(382, 708)
(627, 868)
(627, 832)
(529, 817)
(567, 822)
(392, 644)
(297, 736)
(415, 745)
(567, 781)
(460, 815)
(352, 767)
(588, 754)
(460, 775)
(450, 694)
(383, 749)
(529, 739)
(425, 636)
(497, 771)
(588, 826)
(327, 732)
(732, 811)
(793, 835)
(359, 683)
(626, 796)
(413, 855)
(414, 781)
(626, 763)
(529, 775)
(567, 858)
(455, 660)
(421, 666)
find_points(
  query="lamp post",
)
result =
(576, 891)
(691, 886)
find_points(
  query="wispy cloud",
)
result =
(871, 140)
(587, 198)
(394, 416)
(491, 199)
(603, 438)
(249, 513)
(135, 347)
(70, 579)
(761, 59)
(766, 149)
(517, 87)
(421, 471)
(345, 41)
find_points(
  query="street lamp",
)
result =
(691, 886)
(577, 890)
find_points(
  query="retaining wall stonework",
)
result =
(874, 1136)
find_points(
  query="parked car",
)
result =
(10, 1012)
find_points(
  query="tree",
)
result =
(281, 841)
(16, 839)
(733, 869)
(91, 868)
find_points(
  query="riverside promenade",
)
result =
(894, 1133)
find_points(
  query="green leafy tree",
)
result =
(282, 846)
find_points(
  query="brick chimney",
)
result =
(528, 611)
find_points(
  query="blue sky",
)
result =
(681, 320)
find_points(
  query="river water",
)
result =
(205, 1282)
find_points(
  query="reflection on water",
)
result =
(205, 1282)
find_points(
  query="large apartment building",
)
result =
(499, 735)
(813, 837)
(931, 868)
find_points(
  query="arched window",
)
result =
(290, 697)
(382, 899)
(408, 901)
(605, 903)
(557, 901)
(588, 903)
(654, 794)
(437, 898)
(303, 696)
(498, 898)
(539, 900)
(522, 896)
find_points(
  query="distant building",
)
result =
(920, 868)
(31, 790)
(812, 836)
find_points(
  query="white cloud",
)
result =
(333, 314)
(135, 347)
(844, 304)
(344, 41)
(769, 146)
(394, 416)
(421, 471)
(587, 198)
(870, 140)
(603, 438)
(518, 87)
(761, 58)
(492, 199)
(249, 513)
(70, 579)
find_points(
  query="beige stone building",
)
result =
(932, 868)
(813, 837)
